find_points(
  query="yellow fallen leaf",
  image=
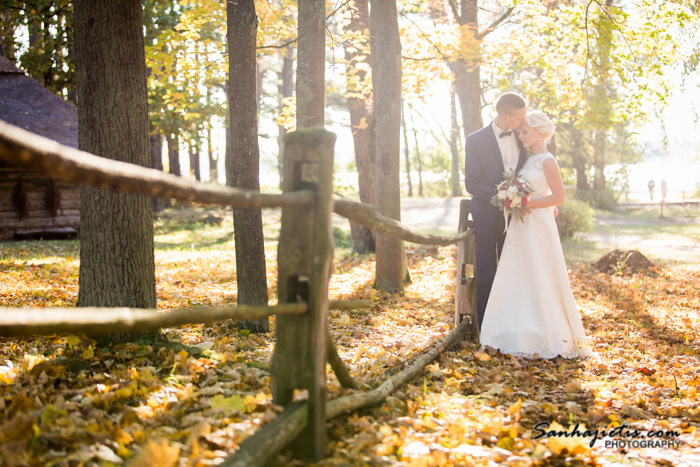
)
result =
(514, 410)
(157, 454)
(576, 445)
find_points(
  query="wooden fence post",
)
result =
(304, 258)
(465, 290)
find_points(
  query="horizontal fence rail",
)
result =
(72, 165)
(367, 215)
(15, 322)
(20, 322)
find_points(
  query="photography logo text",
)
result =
(621, 436)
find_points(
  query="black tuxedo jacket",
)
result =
(483, 168)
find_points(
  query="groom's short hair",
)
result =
(509, 101)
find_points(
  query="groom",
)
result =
(490, 152)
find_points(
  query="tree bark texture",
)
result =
(311, 63)
(466, 69)
(359, 96)
(386, 81)
(117, 266)
(243, 167)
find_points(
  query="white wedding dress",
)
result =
(531, 310)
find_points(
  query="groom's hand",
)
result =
(556, 211)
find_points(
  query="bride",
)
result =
(531, 310)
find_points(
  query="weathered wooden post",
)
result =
(304, 258)
(465, 291)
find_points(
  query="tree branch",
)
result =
(495, 24)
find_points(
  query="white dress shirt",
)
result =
(508, 147)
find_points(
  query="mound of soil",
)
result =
(625, 262)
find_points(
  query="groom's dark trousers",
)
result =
(483, 168)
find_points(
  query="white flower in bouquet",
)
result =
(512, 196)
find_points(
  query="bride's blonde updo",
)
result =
(541, 123)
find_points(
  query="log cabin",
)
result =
(33, 205)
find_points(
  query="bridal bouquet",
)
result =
(513, 196)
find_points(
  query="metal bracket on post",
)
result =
(304, 259)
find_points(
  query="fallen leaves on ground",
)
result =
(65, 401)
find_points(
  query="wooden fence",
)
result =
(303, 343)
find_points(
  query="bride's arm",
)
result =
(556, 185)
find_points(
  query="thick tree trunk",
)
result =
(173, 141)
(243, 166)
(357, 51)
(311, 63)
(386, 80)
(286, 91)
(466, 70)
(117, 266)
(454, 145)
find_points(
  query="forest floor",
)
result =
(192, 400)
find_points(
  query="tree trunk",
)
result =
(454, 145)
(579, 161)
(117, 265)
(466, 69)
(156, 145)
(213, 161)
(406, 151)
(599, 161)
(385, 44)
(243, 166)
(311, 63)
(286, 91)
(194, 160)
(359, 95)
(419, 160)
(173, 141)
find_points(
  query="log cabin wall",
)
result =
(28, 105)
(37, 189)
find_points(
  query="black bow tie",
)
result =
(506, 133)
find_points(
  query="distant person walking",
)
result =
(664, 190)
(651, 186)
